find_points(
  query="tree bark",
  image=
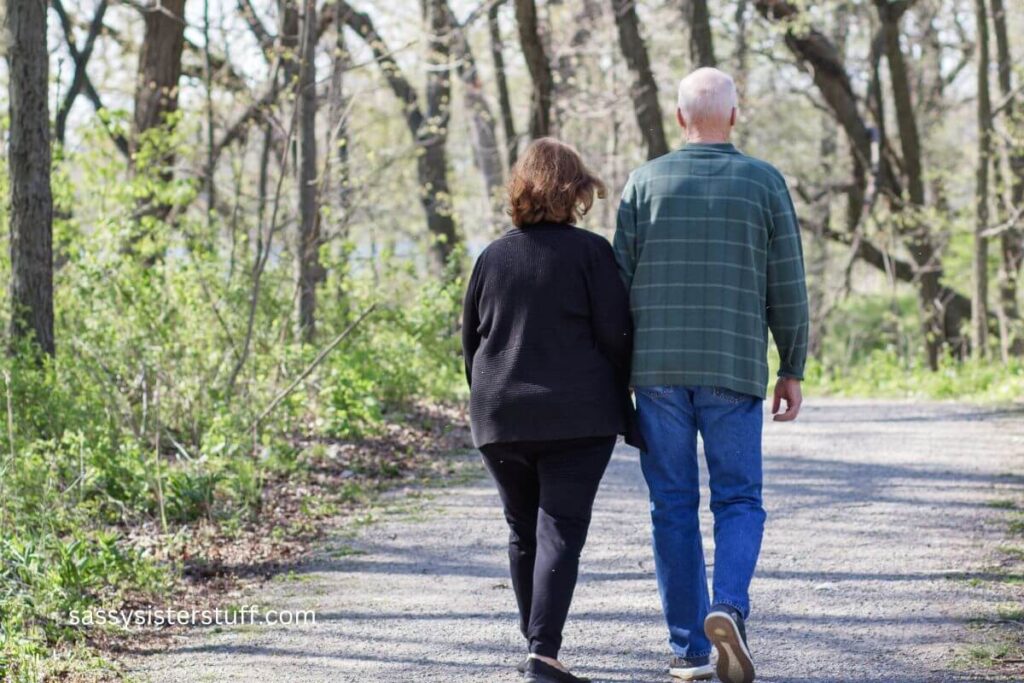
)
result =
(288, 38)
(483, 134)
(31, 199)
(308, 244)
(644, 90)
(566, 60)
(433, 163)
(341, 63)
(979, 309)
(1011, 240)
(156, 91)
(156, 100)
(742, 61)
(538, 65)
(428, 130)
(702, 45)
(338, 116)
(504, 101)
(941, 320)
(914, 230)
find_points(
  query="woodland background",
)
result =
(236, 235)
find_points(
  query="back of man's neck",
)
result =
(707, 140)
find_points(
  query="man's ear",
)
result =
(679, 118)
(732, 117)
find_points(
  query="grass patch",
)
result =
(1000, 650)
(1016, 526)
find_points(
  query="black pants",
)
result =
(548, 489)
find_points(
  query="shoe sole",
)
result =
(703, 673)
(734, 662)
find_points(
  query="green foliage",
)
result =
(873, 348)
(145, 416)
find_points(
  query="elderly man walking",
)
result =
(709, 247)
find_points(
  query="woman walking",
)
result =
(547, 340)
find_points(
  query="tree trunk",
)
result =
(288, 38)
(702, 46)
(338, 116)
(942, 315)
(1011, 240)
(539, 67)
(912, 227)
(504, 101)
(430, 130)
(483, 135)
(156, 91)
(308, 246)
(31, 200)
(979, 308)
(433, 163)
(156, 99)
(567, 60)
(644, 90)
(742, 62)
(817, 254)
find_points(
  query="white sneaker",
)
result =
(691, 670)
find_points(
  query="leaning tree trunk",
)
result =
(1011, 240)
(979, 309)
(702, 44)
(644, 89)
(482, 129)
(31, 200)
(944, 309)
(429, 130)
(308, 247)
(504, 101)
(538, 65)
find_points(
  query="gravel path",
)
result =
(878, 519)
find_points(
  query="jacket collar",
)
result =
(723, 147)
(539, 226)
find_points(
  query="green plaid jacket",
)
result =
(708, 245)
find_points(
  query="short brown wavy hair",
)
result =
(551, 184)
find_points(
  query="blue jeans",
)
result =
(730, 423)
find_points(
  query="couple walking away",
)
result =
(559, 326)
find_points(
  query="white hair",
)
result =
(707, 96)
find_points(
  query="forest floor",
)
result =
(887, 559)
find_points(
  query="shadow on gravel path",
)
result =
(879, 525)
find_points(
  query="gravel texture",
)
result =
(879, 516)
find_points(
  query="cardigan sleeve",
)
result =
(471, 321)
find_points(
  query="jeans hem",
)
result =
(744, 612)
(690, 656)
